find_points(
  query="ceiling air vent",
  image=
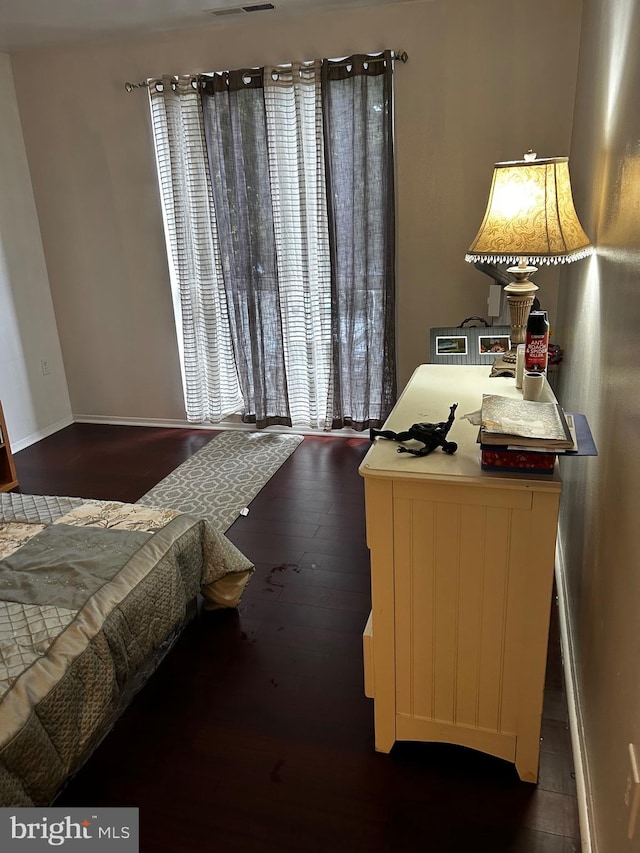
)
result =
(239, 10)
(220, 12)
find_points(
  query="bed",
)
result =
(93, 594)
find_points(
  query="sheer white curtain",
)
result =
(210, 379)
(293, 105)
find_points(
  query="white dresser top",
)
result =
(428, 396)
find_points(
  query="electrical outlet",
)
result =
(46, 369)
(632, 792)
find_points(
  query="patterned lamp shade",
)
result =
(530, 216)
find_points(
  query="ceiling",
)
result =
(28, 24)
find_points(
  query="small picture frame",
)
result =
(468, 344)
(451, 345)
(492, 344)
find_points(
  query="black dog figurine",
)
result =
(431, 435)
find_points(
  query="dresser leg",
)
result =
(528, 759)
(385, 738)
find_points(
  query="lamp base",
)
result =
(520, 296)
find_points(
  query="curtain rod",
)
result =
(400, 55)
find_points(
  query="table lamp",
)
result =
(530, 219)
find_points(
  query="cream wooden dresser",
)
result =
(461, 581)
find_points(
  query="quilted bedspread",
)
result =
(92, 594)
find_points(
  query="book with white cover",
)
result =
(523, 423)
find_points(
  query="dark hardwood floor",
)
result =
(255, 734)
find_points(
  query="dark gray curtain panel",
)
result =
(236, 136)
(358, 133)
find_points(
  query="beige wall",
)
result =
(600, 322)
(484, 82)
(34, 404)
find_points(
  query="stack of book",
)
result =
(521, 435)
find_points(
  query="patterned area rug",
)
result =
(220, 480)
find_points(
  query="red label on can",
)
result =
(536, 353)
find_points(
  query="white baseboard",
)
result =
(230, 423)
(38, 436)
(151, 422)
(584, 790)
